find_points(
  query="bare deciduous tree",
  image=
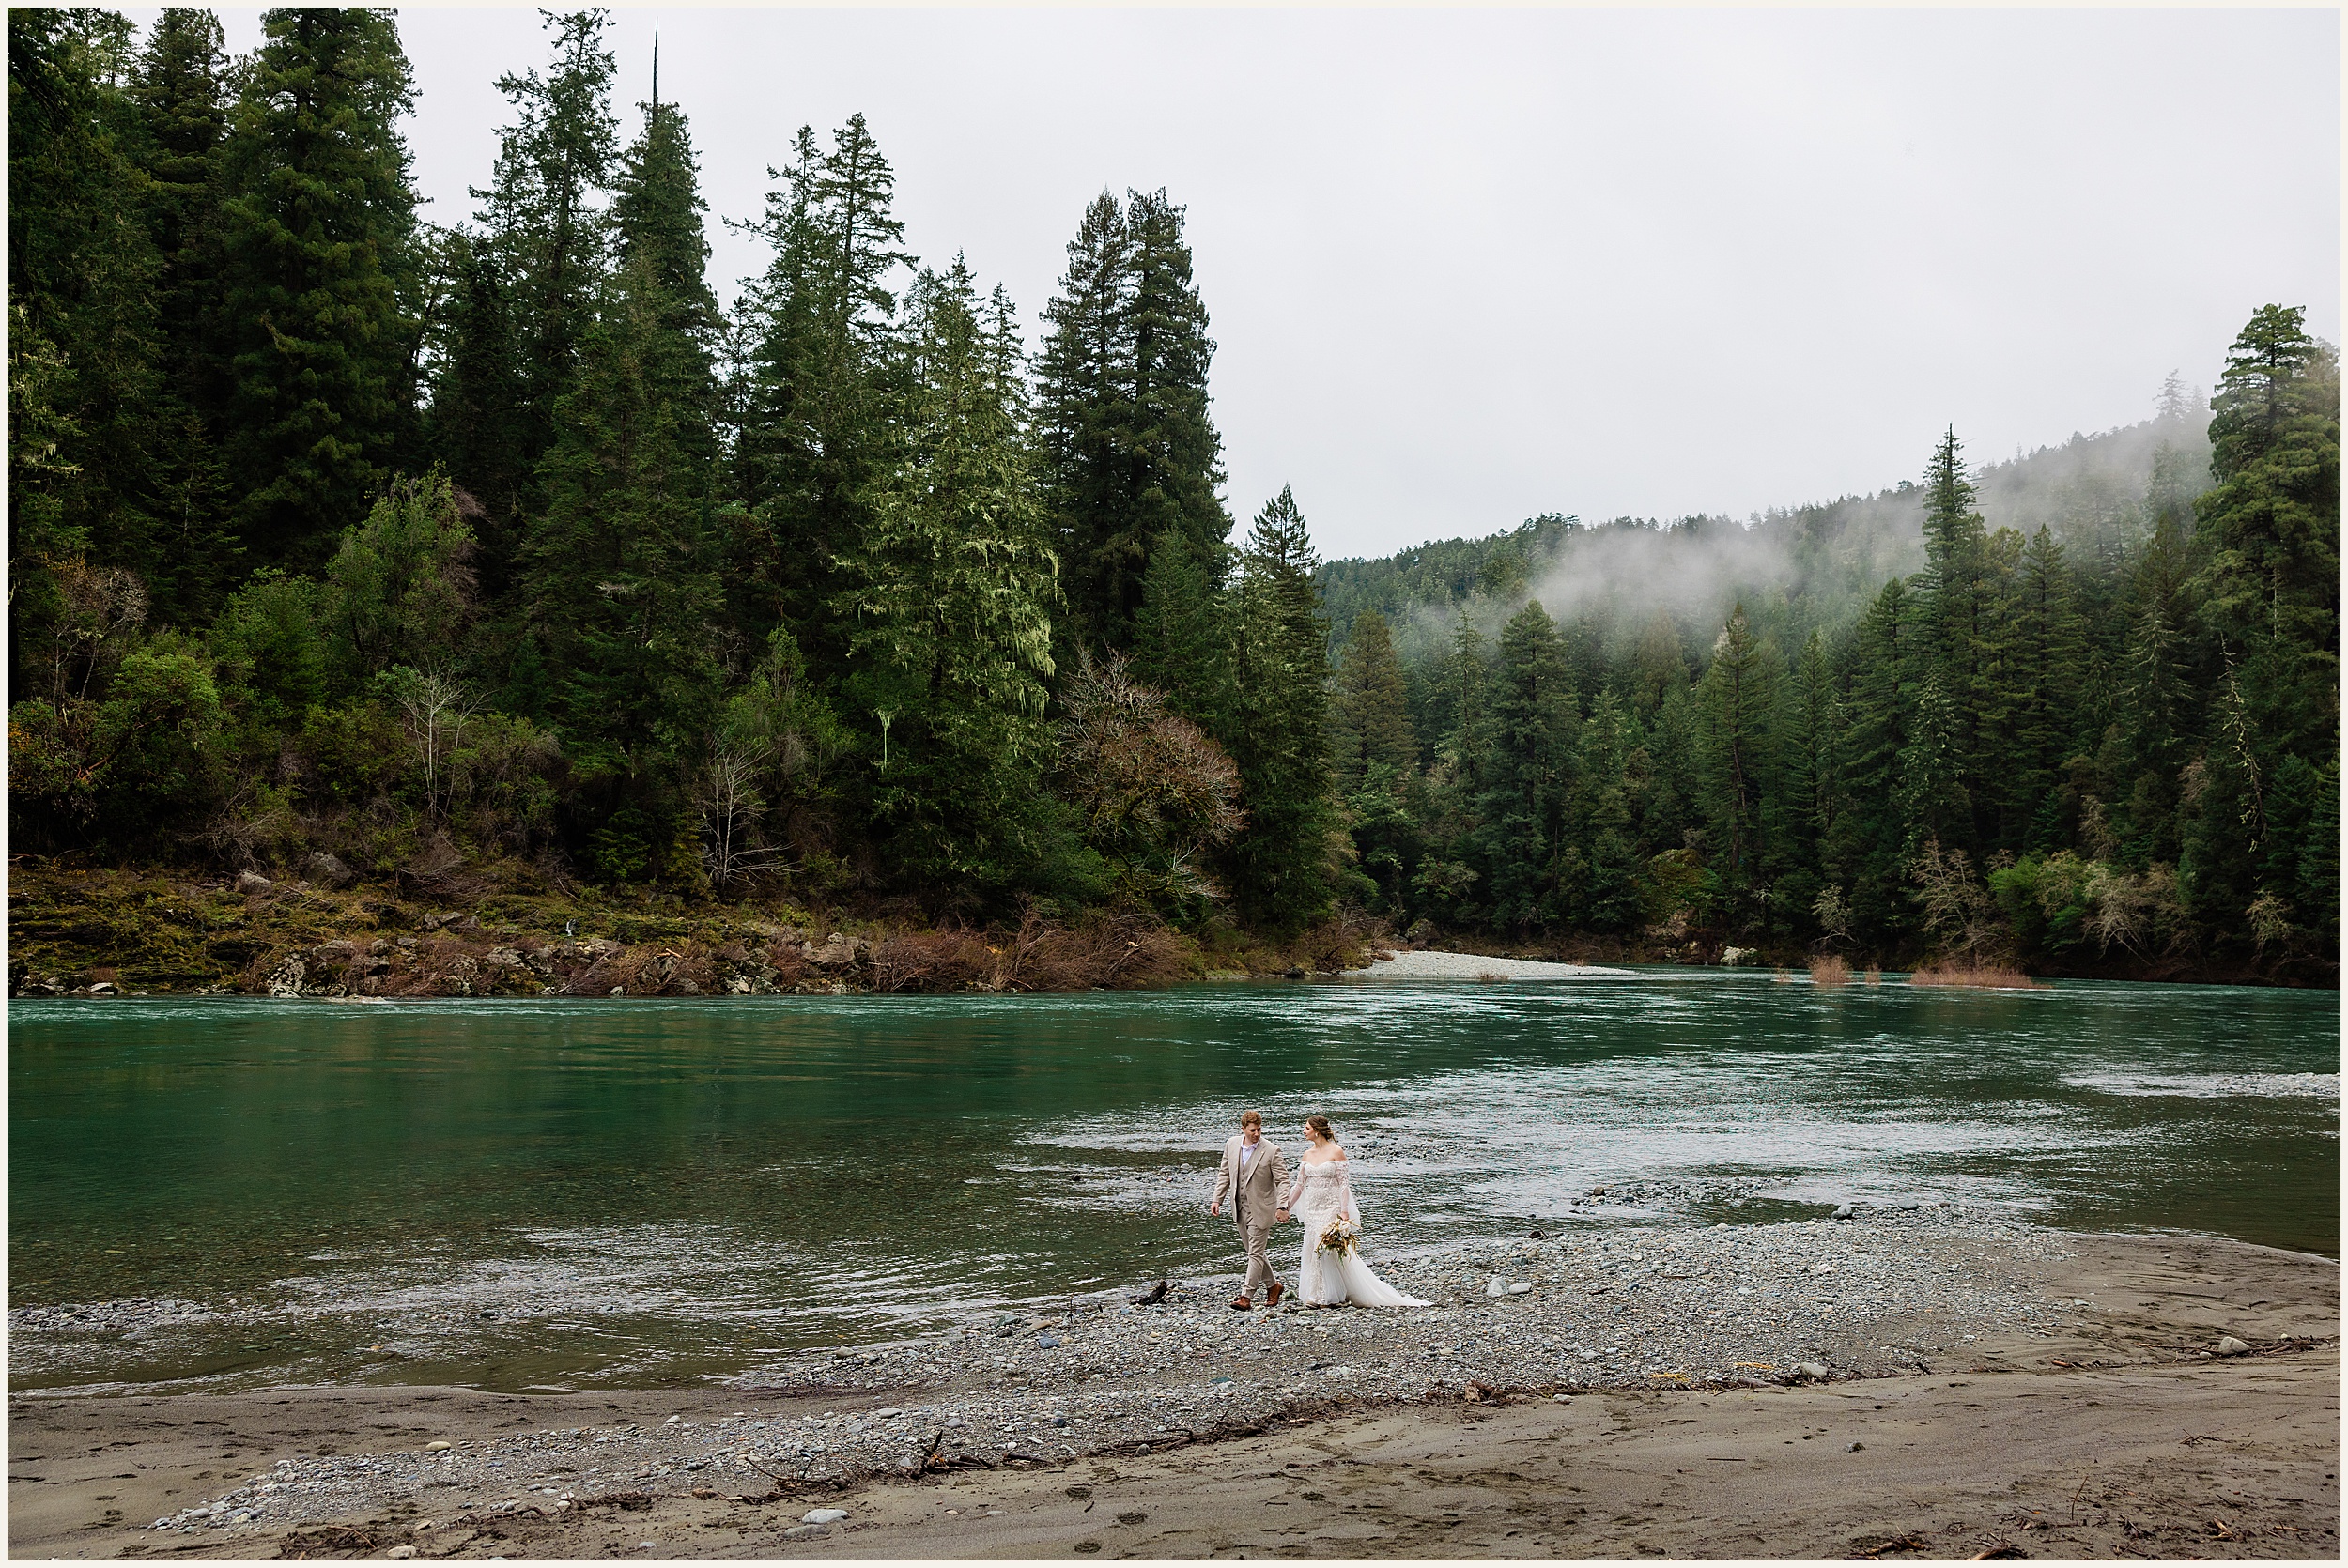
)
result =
(732, 807)
(433, 709)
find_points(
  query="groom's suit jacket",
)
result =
(1255, 1193)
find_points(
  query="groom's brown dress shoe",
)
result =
(1278, 1290)
(1243, 1304)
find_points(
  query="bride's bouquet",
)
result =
(1343, 1235)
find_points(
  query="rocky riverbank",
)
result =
(1692, 1316)
(108, 932)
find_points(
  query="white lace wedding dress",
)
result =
(1326, 1278)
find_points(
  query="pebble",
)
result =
(2232, 1347)
(822, 1515)
(1675, 1306)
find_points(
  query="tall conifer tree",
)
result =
(947, 610)
(1281, 864)
(1535, 710)
(321, 242)
(824, 379)
(1131, 452)
(1371, 714)
(621, 572)
(525, 291)
(82, 280)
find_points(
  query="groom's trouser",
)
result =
(1258, 1230)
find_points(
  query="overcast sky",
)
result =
(1469, 267)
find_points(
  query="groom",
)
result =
(1253, 1176)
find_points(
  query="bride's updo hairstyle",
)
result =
(1320, 1124)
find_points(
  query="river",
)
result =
(568, 1193)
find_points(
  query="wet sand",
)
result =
(2123, 1436)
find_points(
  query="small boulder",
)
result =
(836, 951)
(327, 870)
(1843, 1211)
(253, 882)
(822, 1515)
(2232, 1347)
(1521, 1287)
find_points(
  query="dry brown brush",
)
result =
(1971, 972)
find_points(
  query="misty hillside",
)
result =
(1824, 561)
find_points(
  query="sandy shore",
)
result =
(1410, 965)
(2108, 1422)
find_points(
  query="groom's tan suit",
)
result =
(1255, 1181)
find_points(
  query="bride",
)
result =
(1331, 1276)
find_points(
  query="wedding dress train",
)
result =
(1326, 1277)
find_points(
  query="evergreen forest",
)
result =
(516, 554)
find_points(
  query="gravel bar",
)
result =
(1880, 1293)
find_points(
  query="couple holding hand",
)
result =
(1254, 1176)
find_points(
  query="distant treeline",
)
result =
(2110, 744)
(509, 551)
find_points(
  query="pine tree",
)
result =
(480, 423)
(2048, 656)
(1176, 450)
(1281, 871)
(2156, 715)
(82, 276)
(1739, 699)
(525, 290)
(1183, 637)
(1371, 715)
(1601, 878)
(181, 87)
(1817, 736)
(1130, 450)
(1535, 710)
(948, 610)
(319, 242)
(823, 379)
(1881, 735)
(621, 573)
(2269, 531)
(1445, 884)
(1084, 415)
(1956, 606)
(1658, 666)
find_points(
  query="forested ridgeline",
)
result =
(2079, 712)
(509, 560)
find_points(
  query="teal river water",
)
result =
(531, 1193)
